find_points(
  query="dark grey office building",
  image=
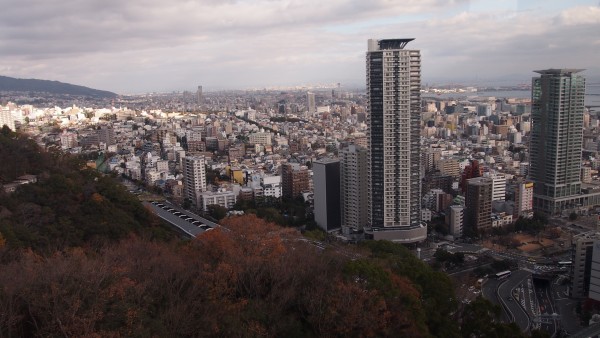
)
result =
(326, 181)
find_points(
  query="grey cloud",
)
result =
(130, 46)
(83, 26)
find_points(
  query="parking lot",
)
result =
(189, 223)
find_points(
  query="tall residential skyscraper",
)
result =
(557, 97)
(199, 97)
(326, 177)
(394, 106)
(353, 186)
(311, 104)
(194, 176)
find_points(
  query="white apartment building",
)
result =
(271, 186)
(456, 219)
(524, 199)
(498, 186)
(7, 119)
(226, 199)
(262, 138)
(194, 178)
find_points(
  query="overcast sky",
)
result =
(133, 46)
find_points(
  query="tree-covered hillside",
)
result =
(70, 205)
(54, 87)
(20, 155)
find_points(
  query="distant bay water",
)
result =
(592, 95)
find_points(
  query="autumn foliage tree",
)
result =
(249, 279)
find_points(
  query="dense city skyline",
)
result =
(135, 47)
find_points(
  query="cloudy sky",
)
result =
(133, 46)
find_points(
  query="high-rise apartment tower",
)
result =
(353, 186)
(311, 104)
(199, 97)
(394, 107)
(557, 98)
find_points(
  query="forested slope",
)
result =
(70, 205)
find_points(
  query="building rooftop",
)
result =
(479, 181)
(386, 44)
(326, 160)
(393, 43)
(553, 71)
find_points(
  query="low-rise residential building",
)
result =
(262, 138)
(455, 219)
(226, 199)
(501, 220)
(271, 186)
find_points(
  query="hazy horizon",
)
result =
(499, 82)
(153, 46)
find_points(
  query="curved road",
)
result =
(500, 291)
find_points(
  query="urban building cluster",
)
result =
(379, 164)
(385, 163)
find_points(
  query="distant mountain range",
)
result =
(53, 87)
